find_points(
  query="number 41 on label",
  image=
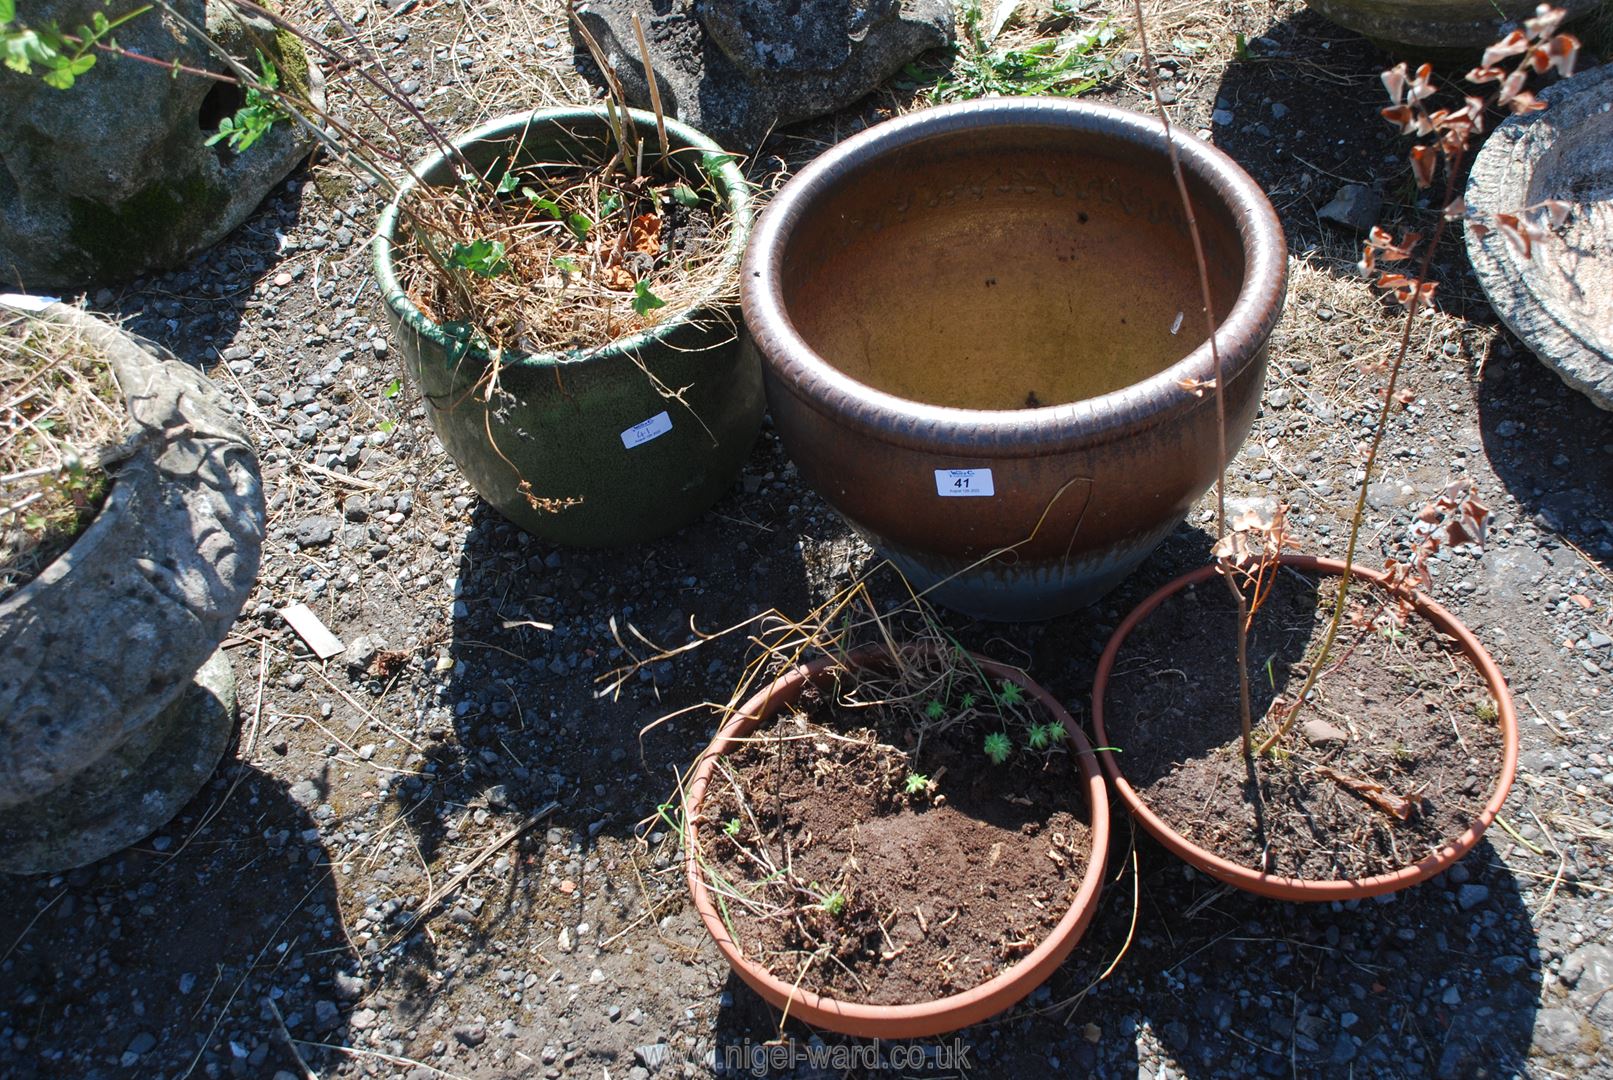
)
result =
(956, 483)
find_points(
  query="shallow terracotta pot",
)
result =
(1437, 26)
(919, 1019)
(975, 322)
(1286, 888)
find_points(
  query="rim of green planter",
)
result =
(732, 183)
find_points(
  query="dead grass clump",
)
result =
(61, 412)
(564, 256)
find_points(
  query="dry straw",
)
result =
(61, 421)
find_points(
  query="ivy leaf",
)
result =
(8, 10)
(548, 206)
(644, 301)
(684, 195)
(484, 258)
(610, 204)
(394, 388)
(506, 183)
(579, 224)
(565, 265)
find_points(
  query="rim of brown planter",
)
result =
(1299, 889)
(919, 1019)
(1104, 418)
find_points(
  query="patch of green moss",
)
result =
(118, 242)
(293, 64)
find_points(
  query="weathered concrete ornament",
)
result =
(735, 69)
(1560, 300)
(113, 177)
(115, 704)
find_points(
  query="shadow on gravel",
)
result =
(515, 727)
(165, 957)
(1552, 449)
(1304, 122)
(1439, 981)
(197, 309)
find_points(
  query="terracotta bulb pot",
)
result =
(924, 1018)
(1111, 731)
(975, 324)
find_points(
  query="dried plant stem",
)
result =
(655, 89)
(1336, 620)
(1245, 719)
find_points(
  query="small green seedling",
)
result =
(1047, 736)
(258, 112)
(915, 783)
(484, 258)
(1011, 694)
(968, 701)
(732, 827)
(644, 301)
(566, 266)
(1487, 712)
(835, 904)
(997, 747)
(394, 388)
(934, 710)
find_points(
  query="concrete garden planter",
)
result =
(588, 424)
(976, 323)
(115, 704)
(1560, 301)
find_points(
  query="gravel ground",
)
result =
(438, 853)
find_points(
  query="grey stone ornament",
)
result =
(735, 69)
(1559, 301)
(106, 728)
(112, 177)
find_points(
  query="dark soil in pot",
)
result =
(1400, 722)
(891, 897)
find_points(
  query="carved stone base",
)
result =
(135, 789)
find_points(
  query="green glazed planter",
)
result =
(588, 424)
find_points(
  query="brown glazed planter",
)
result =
(1438, 27)
(924, 1018)
(999, 300)
(1296, 889)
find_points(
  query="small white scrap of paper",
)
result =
(324, 643)
(26, 302)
